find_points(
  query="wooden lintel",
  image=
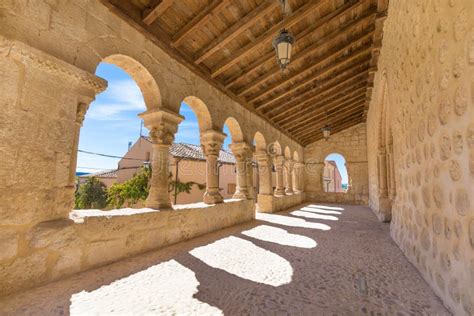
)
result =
(155, 10)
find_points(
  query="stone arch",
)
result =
(235, 130)
(260, 142)
(324, 174)
(145, 81)
(201, 111)
(287, 152)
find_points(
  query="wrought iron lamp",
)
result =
(283, 44)
(326, 132)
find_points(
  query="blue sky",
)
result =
(111, 122)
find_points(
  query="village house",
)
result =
(332, 179)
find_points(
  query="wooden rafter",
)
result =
(299, 37)
(321, 114)
(364, 50)
(312, 84)
(198, 20)
(333, 101)
(314, 48)
(156, 9)
(235, 30)
(355, 116)
(266, 37)
(302, 106)
(313, 94)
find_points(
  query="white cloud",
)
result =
(121, 96)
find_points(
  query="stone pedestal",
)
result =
(211, 142)
(163, 125)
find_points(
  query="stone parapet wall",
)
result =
(273, 204)
(337, 198)
(423, 105)
(54, 249)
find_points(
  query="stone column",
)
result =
(163, 124)
(278, 163)
(391, 169)
(241, 152)
(211, 142)
(297, 173)
(382, 164)
(264, 173)
(249, 171)
(288, 170)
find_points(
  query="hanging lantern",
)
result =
(283, 44)
(326, 132)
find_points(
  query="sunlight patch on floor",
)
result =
(289, 221)
(245, 260)
(327, 207)
(319, 210)
(314, 215)
(279, 236)
(166, 289)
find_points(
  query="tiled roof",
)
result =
(102, 174)
(194, 152)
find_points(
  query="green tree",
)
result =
(91, 194)
(131, 191)
(182, 187)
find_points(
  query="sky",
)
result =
(111, 122)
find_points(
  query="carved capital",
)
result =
(211, 142)
(81, 112)
(289, 164)
(242, 151)
(278, 161)
(162, 124)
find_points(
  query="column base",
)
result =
(212, 197)
(155, 205)
(241, 195)
(289, 192)
(279, 192)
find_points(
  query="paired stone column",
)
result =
(241, 152)
(278, 162)
(288, 178)
(162, 124)
(382, 164)
(211, 142)
(249, 172)
(264, 173)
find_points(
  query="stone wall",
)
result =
(350, 143)
(53, 249)
(423, 96)
(272, 204)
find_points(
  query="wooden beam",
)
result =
(319, 135)
(155, 9)
(199, 20)
(348, 7)
(338, 124)
(312, 94)
(334, 120)
(314, 83)
(325, 105)
(344, 60)
(267, 37)
(343, 107)
(235, 30)
(338, 89)
(313, 48)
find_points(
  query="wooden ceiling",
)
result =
(229, 43)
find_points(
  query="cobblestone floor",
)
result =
(312, 260)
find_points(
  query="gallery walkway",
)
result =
(312, 259)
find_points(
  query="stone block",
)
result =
(56, 234)
(8, 243)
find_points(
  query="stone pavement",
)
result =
(312, 260)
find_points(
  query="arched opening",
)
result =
(335, 178)
(112, 153)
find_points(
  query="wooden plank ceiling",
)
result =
(229, 43)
